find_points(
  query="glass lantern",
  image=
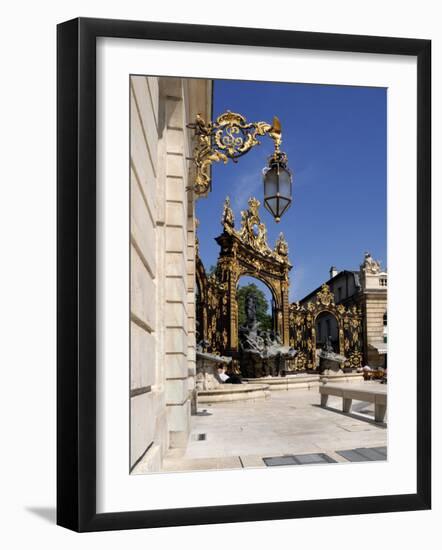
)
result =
(277, 186)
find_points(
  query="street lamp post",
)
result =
(230, 136)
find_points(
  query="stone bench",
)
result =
(375, 393)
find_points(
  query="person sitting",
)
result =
(222, 376)
(233, 378)
(234, 373)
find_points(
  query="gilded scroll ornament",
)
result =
(300, 361)
(253, 232)
(230, 136)
(325, 297)
(355, 359)
(253, 236)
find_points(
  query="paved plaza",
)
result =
(242, 434)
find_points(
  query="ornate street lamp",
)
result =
(277, 185)
(230, 137)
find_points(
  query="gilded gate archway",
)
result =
(303, 329)
(244, 252)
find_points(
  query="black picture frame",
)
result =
(77, 287)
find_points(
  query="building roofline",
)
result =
(313, 292)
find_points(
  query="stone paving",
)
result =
(241, 434)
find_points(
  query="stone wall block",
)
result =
(142, 164)
(142, 354)
(175, 239)
(175, 166)
(176, 365)
(175, 314)
(175, 214)
(143, 292)
(175, 189)
(174, 113)
(175, 141)
(142, 227)
(176, 391)
(144, 103)
(175, 264)
(142, 427)
(176, 340)
(176, 290)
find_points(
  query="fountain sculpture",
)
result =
(207, 365)
(261, 352)
(329, 361)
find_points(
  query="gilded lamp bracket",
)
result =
(229, 137)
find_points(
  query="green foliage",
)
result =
(264, 319)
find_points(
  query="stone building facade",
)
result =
(367, 289)
(162, 234)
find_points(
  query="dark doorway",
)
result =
(327, 330)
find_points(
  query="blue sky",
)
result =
(335, 139)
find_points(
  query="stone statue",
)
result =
(281, 247)
(250, 307)
(328, 345)
(228, 220)
(261, 351)
(370, 265)
(329, 361)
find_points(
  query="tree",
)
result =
(263, 318)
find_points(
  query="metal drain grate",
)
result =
(314, 458)
(296, 460)
(364, 454)
(280, 461)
